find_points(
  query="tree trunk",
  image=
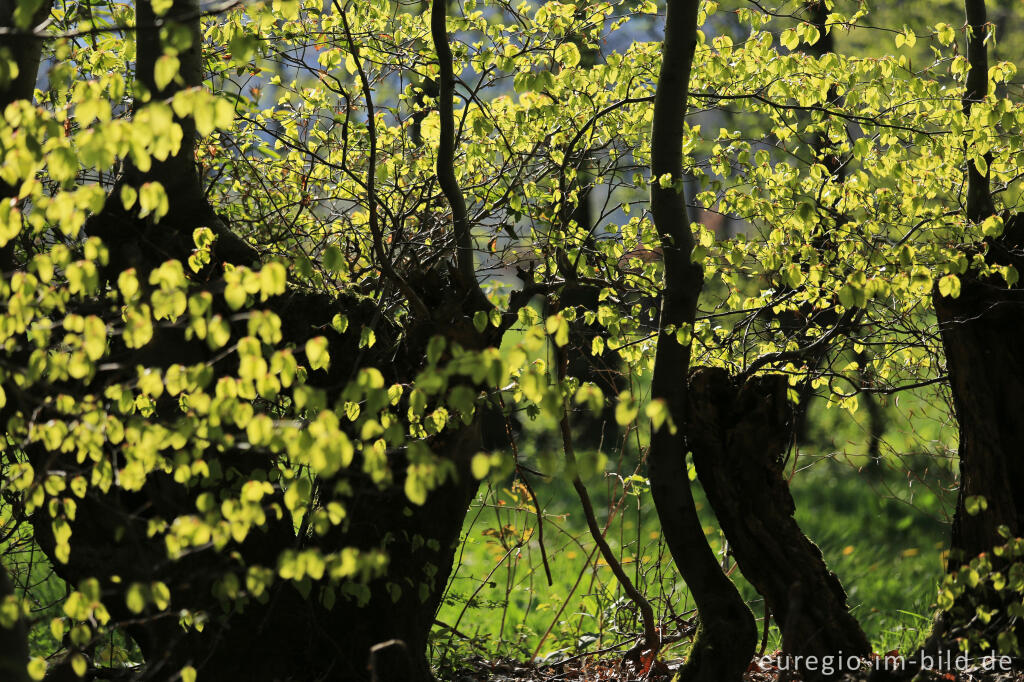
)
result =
(986, 375)
(289, 633)
(739, 435)
(725, 640)
(13, 640)
(979, 330)
(23, 54)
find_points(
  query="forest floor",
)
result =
(596, 669)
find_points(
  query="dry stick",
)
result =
(652, 640)
(529, 489)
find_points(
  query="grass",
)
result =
(882, 527)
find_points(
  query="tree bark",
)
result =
(139, 243)
(979, 331)
(985, 370)
(739, 433)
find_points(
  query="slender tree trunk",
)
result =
(726, 637)
(735, 451)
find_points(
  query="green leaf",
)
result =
(949, 286)
(165, 70)
(567, 54)
(480, 320)
(317, 354)
(789, 39)
(480, 465)
(992, 226)
(153, 200)
(657, 412)
(37, 668)
(334, 259)
(975, 504)
(627, 409)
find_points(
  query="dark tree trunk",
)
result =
(24, 53)
(979, 330)
(739, 435)
(287, 634)
(986, 375)
(13, 640)
(725, 640)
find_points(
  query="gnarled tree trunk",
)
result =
(287, 634)
(979, 332)
(739, 434)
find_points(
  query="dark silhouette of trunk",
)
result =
(24, 52)
(286, 633)
(739, 433)
(986, 373)
(725, 639)
(13, 640)
(979, 330)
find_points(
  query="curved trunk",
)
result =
(739, 435)
(725, 640)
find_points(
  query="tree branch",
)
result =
(446, 152)
(979, 198)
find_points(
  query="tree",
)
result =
(978, 320)
(249, 363)
(727, 634)
(738, 429)
(256, 359)
(221, 505)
